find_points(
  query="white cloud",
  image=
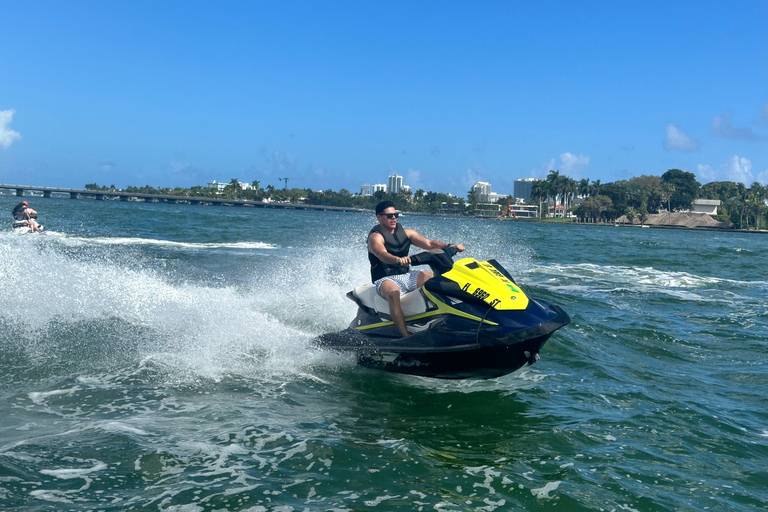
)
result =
(543, 169)
(473, 175)
(679, 140)
(413, 180)
(279, 162)
(570, 165)
(705, 173)
(763, 119)
(573, 164)
(321, 171)
(7, 136)
(722, 126)
(737, 169)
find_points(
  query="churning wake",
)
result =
(59, 302)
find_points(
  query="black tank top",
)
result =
(396, 243)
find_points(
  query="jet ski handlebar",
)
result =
(439, 260)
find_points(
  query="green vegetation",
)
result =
(590, 202)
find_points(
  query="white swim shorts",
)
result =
(406, 282)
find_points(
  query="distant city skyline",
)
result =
(332, 94)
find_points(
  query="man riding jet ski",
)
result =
(388, 247)
(471, 320)
(25, 219)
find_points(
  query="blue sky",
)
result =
(335, 94)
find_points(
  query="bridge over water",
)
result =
(101, 195)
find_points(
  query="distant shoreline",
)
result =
(131, 197)
(98, 195)
(636, 226)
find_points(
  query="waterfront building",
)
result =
(221, 186)
(379, 187)
(558, 211)
(488, 210)
(365, 189)
(216, 185)
(451, 208)
(493, 197)
(523, 187)
(706, 206)
(524, 211)
(395, 183)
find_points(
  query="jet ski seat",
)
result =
(413, 303)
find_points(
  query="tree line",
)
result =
(418, 202)
(673, 191)
(589, 201)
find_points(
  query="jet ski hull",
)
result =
(451, 347)
(22, 228)
(470, 321)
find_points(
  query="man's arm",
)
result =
(425, 243)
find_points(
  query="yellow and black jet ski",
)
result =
(471, 320)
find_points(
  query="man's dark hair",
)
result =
(383, 206)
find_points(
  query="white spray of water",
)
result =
(263, 325)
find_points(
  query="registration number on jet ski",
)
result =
(485, 282)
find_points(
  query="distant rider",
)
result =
(23, 213)
(388, 246)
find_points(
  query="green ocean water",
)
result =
(158, 357)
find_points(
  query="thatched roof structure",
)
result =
(679, 220)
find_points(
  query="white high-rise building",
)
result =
(365, 189)
(379, 187)
(483, 190)
(395, 183)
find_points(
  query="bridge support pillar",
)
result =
(20, 192)
(47, 194)
(74, 195)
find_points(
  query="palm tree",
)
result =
(595, 188)
(756, 202)
(539, 192)
(472, 199)
(232, 190)
(555, 182)
(630, 213)
(570, 188)
(584, 187)
(667, 191)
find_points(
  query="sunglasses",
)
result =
(390, 215)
